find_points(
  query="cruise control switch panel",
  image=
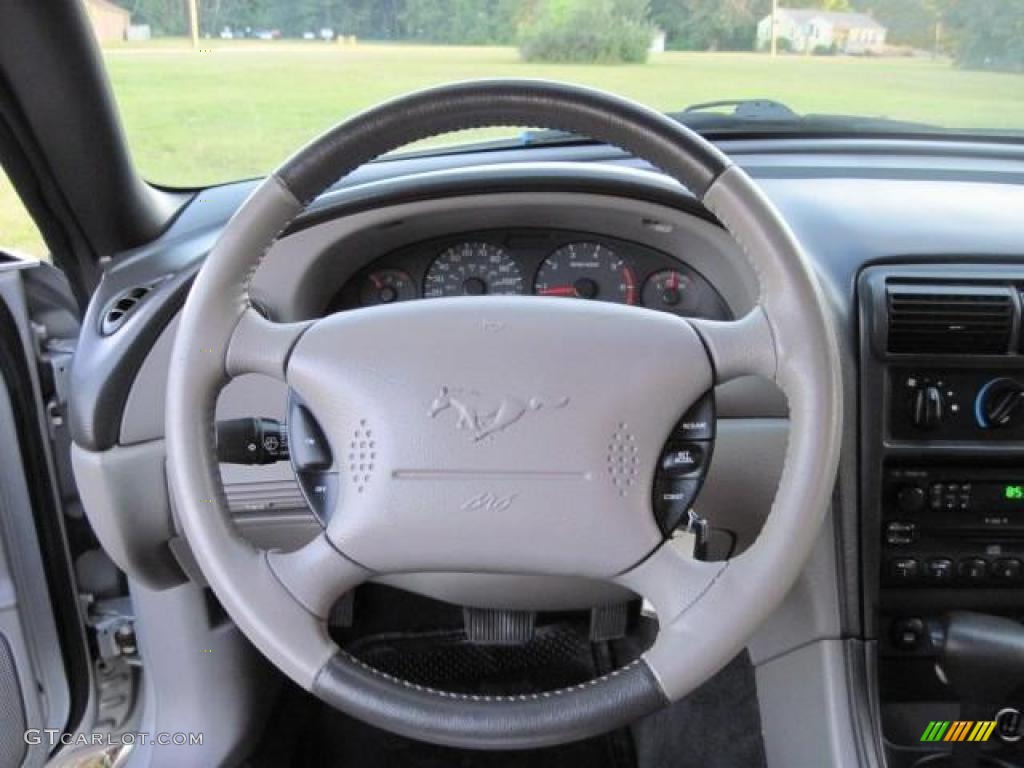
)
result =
(683, 464)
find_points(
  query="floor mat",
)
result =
(717, 726)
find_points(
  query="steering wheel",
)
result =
(538, 484)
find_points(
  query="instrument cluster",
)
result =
(555, 263)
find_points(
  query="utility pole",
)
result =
(193, 22)
(775, 29)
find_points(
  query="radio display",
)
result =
(997, 497)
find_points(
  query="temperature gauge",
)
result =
(386, 286)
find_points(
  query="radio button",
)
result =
(899, 532)
(904, 568)
(973, 568)
(939, 569)
(1007, 569)
(910, 498)
(951, 499)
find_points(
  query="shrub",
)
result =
(588, 31)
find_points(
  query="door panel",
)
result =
(34, 671)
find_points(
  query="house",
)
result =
(808, 29)
(657, 41)
(109, 21)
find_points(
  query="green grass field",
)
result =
(236, 109)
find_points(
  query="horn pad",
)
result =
(498, 434)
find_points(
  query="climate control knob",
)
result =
(999, 404)
(927, 407)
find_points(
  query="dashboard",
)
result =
(592, 224)
(542, 262)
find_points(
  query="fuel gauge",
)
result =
(386, 286)
(669, 291)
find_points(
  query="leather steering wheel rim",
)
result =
(706, 611)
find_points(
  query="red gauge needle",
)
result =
(559, 290)
(673, 281)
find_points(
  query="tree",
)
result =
(709, 25)
(591, 31)
(165, 17)
(478, 22)
(825, 5)
(909, 22)
(986, 34)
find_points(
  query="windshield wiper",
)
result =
(742, 109)
(768, 116)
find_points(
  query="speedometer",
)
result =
(473, 269)
(587, 271)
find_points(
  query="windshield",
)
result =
(259, 79)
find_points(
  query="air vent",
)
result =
(950, 319)
(121, 306)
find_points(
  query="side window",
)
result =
(19, 235)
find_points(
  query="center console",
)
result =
(942, 473)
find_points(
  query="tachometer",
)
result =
(587, 271)
(473, 269)
(386, 286)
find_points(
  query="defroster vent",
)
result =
(950, 319)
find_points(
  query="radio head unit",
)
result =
(953, 527)
(956, 499)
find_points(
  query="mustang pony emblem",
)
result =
(483, 416)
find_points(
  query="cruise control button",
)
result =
(672, 500)
(321, 492)
(699, 421)
(683, 459)
(307, 444)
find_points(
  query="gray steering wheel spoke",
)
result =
(741, 347)
(259, 345)
(316, 574)
(671, 579)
